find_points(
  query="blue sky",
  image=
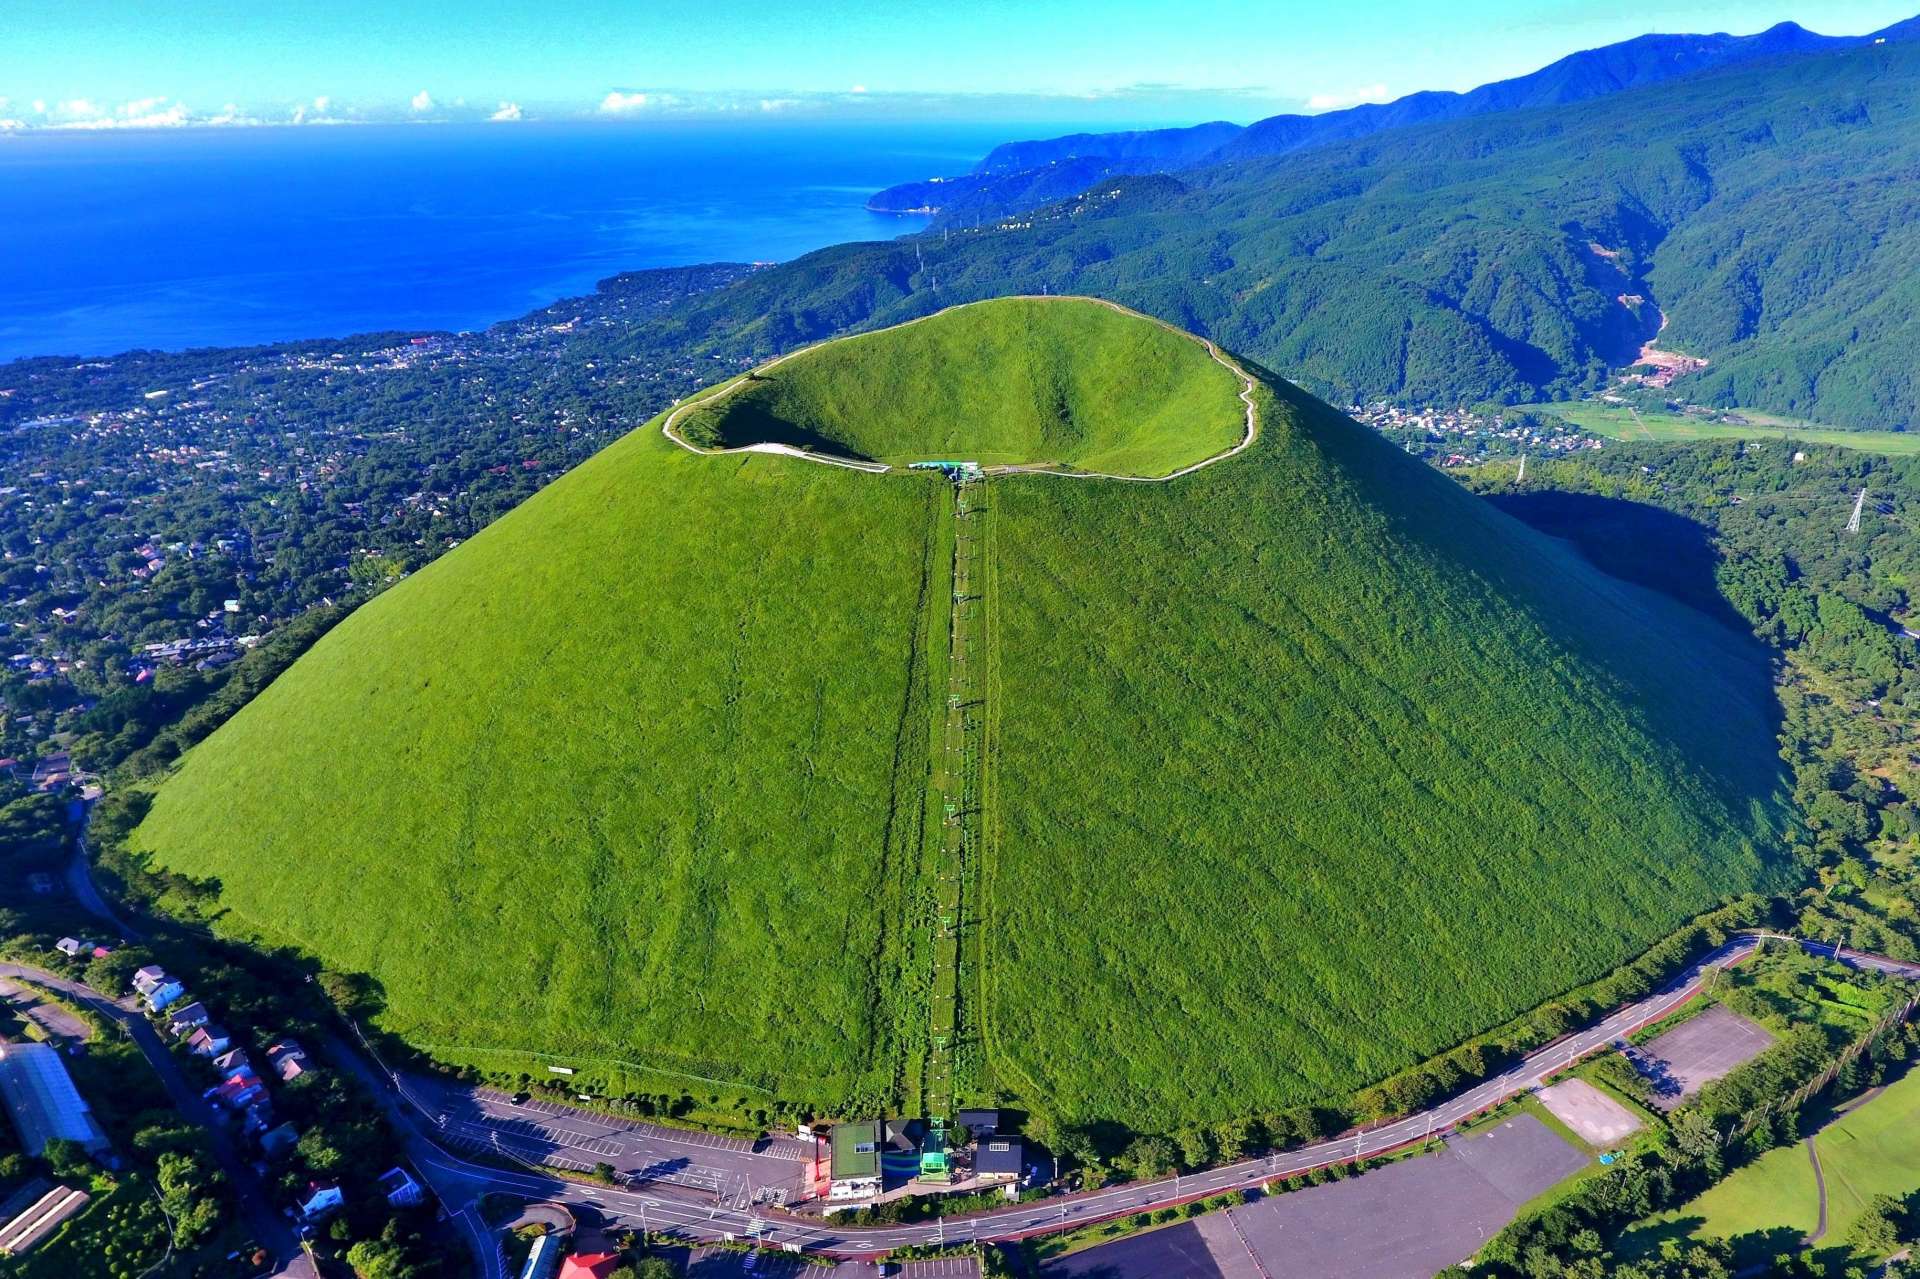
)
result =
(157, 62)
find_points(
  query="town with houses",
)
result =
(169, 512)
(45, 1106)
(1459, 436)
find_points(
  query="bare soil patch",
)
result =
(1595, 1118)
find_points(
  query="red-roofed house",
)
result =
(589, 1265)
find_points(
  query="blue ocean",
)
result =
(174, 239)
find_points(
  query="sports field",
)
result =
(1871, 1150)
(1618, 422)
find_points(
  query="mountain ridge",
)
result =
(1759, 208)
(1016, 176)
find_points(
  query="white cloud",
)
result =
(858, 88)
(780, 104)
(140, 113)
(423, 101)
(39, 106)
(158, 118)
(1339, 101)
(618, 103)
(321, 103)
(509, 111)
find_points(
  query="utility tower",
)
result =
(1859, 505)
(1522, 477)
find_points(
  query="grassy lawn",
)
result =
(1083, 386)
(1615, 421)
(638, 776)
(1770, 1200)
(635, 774)
(1335, 725)
(1869, 1151)
(1873, 1150)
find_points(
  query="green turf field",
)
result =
(1773, 1194)
(1616, 421)
(1295, 769)
(1871, 1150)
(1079, 385)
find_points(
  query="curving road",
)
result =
(460, 1183)
(662, 1208)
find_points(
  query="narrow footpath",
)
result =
(1820, 1187)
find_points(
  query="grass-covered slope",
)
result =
(617, 776)
(1312, 764)
(1082, 386)
(1300, 766)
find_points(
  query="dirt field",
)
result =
(1697, 1052)
(1595, 1118)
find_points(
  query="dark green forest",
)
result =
(1510, 257)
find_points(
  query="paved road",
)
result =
(666, 1206)
(1819, 1185)
(80, 884)
(709, 1216)
(267, 1226)
(56, 1021)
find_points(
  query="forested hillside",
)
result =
(1020, 175)
(1508, 257)
(1016, 176)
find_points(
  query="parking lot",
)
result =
(1404, 1221)
(1697, 1052)
(527, 1130)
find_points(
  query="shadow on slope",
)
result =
(1633, 541)
(1662, 558)
(1383, 745)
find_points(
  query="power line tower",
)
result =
(1859, 505)
(1522, 477)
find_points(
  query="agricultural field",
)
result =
(1617, 421)
(1296, 769)
(1082, 386)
